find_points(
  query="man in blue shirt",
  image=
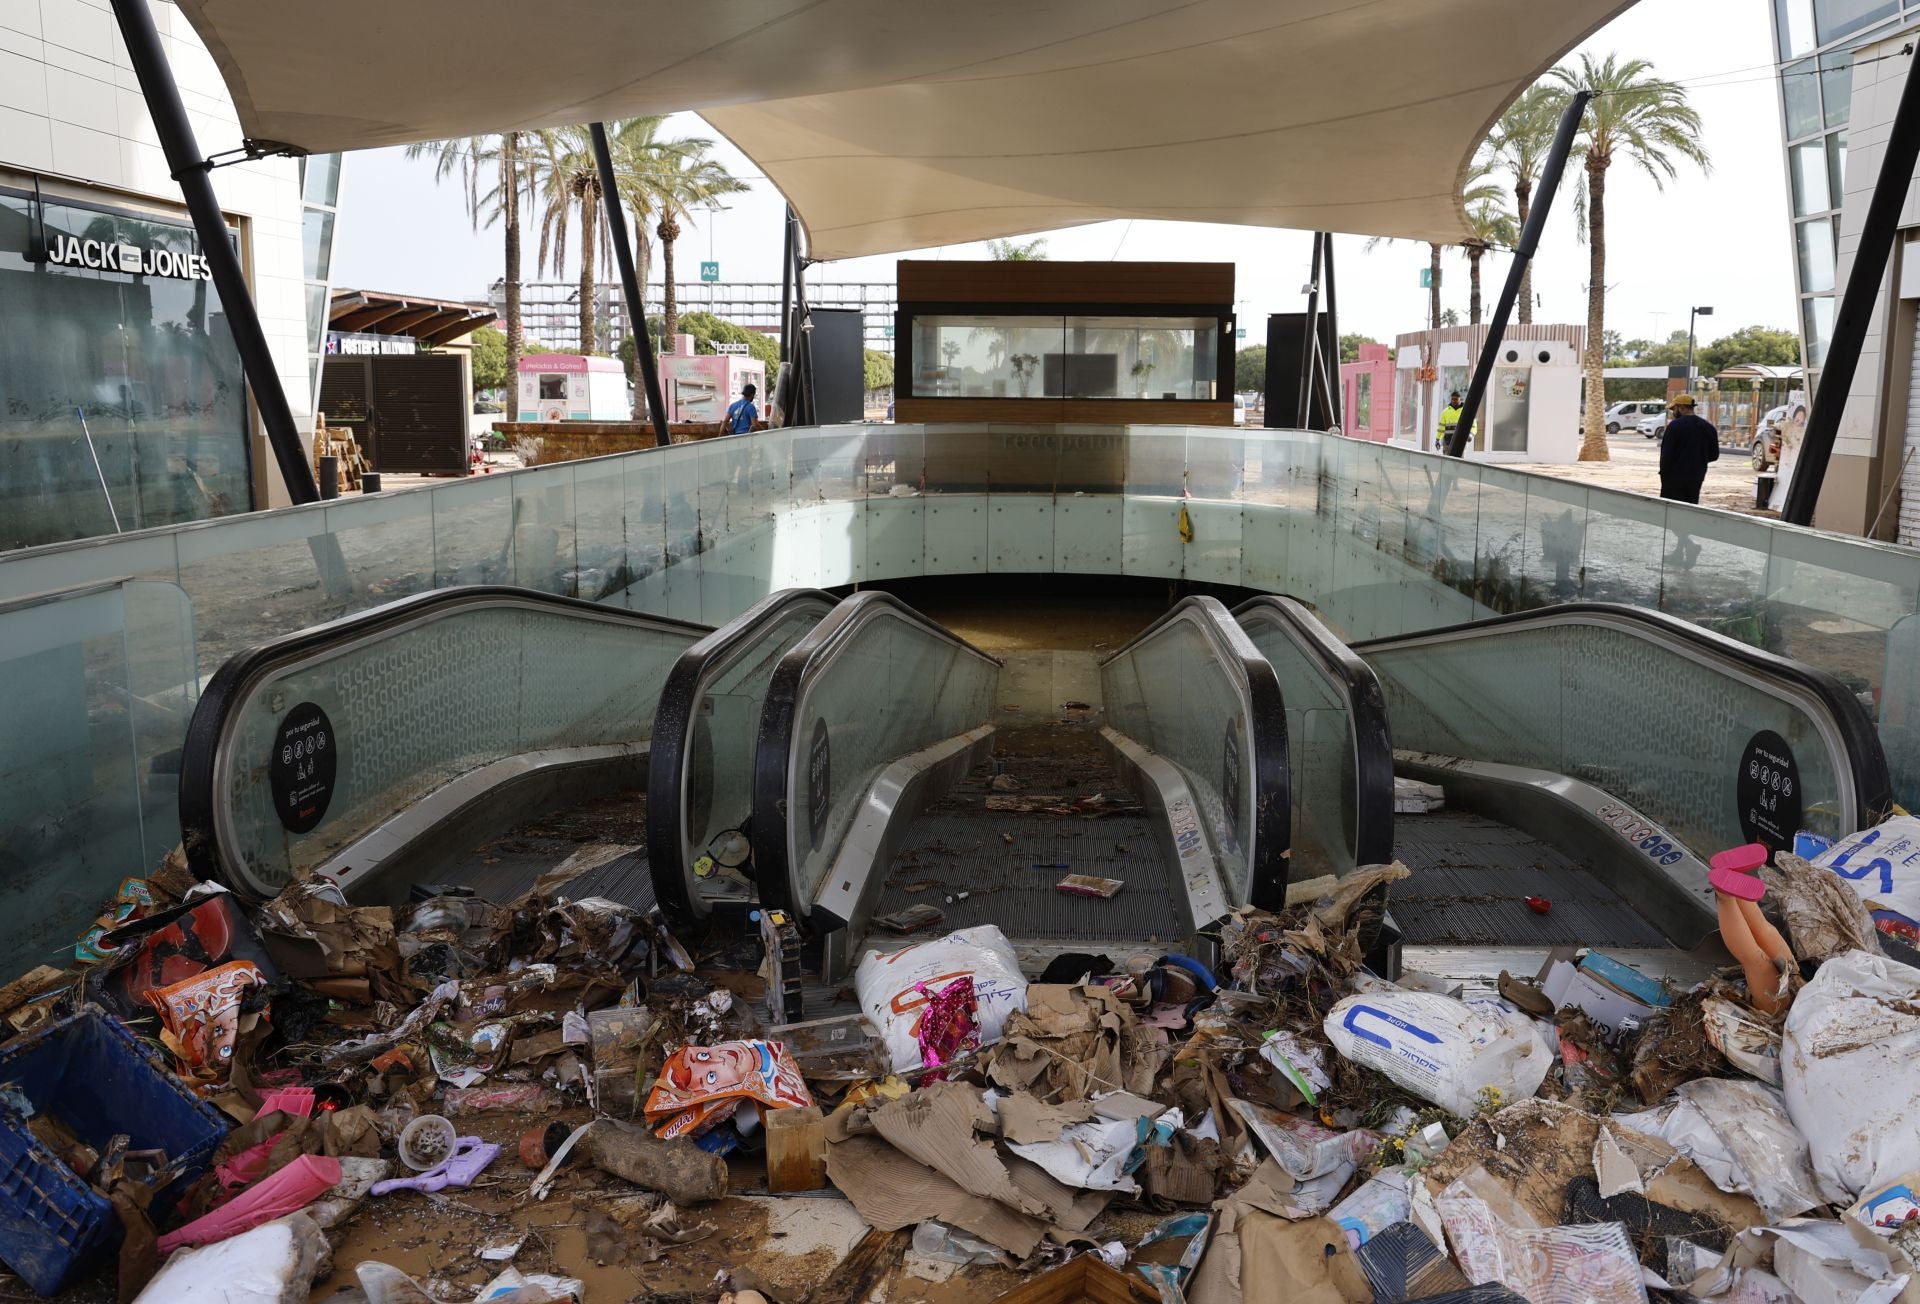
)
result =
(741, 416)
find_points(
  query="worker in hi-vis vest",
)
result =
(1450, 419)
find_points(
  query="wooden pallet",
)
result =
(338, 441)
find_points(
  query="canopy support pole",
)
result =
(786, 287)
(190, 169)
(1856, 307)
(1307, 341)
(1522, 255)
(1336, 388)
(616, 216)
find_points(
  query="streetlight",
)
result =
(1691, 314)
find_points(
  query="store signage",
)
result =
(362, 344)
(112, 256)
(709, 272)
(732, 350)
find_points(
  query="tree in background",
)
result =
(1250, 368)
(687, 179)
(490, 369)
(470, 156)
(1350, 345)
(1520, 142)
(1759, 344)
(1640, 119)
(1012, 251)
(879, 368)
(708, 330)
(1489, 222)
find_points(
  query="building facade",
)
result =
(1367, 402)
(122, 402)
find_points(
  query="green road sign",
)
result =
(709, 271)
(1427, 275)
(889, 332)
(1240, 333)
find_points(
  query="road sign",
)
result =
(1240, 333)
(1427, 277)
(709, 271)
(889, 331)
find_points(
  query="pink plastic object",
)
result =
(469, 1159)
(245, 1167)
(949, 1023)
(291, 1189)
(1754, 942)
(1732, 871)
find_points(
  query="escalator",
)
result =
(1593, 757)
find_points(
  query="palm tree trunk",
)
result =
(1474, 253)
(589, 250)
(1523, 203)
(1433, 289)
(670, 311)
(1593, 441)
(510, 220)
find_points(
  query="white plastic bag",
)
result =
(1442, 1049)
(1882, 864)
(886, 984)
(1848, 1067)
(274, 1263)
(1739, 1134)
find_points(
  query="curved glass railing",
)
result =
(1339, 747)
(1195, 690)
(700, 768)
(1720, 742)
(874, 683)
(301, 748)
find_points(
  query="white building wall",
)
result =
(71, 109)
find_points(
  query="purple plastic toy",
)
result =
(469, 1159)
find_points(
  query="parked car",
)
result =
(1766, 440)
(1629, 412)
(1653, 427)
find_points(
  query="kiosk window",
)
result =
(553, 385)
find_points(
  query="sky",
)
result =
(1721, 239)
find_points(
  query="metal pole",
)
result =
(1305, 408)
(1690, 314)
(104, 491)
(786, 287)
(1856, 307)
(1522, 255)
(190, 169)
(616, 216)
(803, 344)
(1336, 385)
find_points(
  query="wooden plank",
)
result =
(864, 1268)
(928, 281)
(796, 1149)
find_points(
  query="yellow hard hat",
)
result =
(1681, 401)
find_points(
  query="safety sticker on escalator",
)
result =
(301, 770)
(1768, 791)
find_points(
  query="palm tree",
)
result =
(470, 157)
(1012, 251)
(1520, 142)
(684, 179)
(1491, 225)
(568, 177)
(1647, 122)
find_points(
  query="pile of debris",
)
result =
(233, 1099)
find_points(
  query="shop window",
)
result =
(1800, 87)
(1794, 23)
(1407, 405)
(317, 304)
(1814, 241)
(1037, 356)
(1836, 87)
(318, 232)
(1837, 167)
(553, 385)
(1811, 193)
(322, 183)
(1817, 320)
(1833, 19)
(1363, 401)
(125, 358)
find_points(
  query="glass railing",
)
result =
(1719, 742)
(1381, 540)
(1194, 689)
(1339, 748)
(872, 684)
(700, 768)
(302, 747)
(98, 693)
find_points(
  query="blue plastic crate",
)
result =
(90, 1073)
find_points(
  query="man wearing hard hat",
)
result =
(1689, 443)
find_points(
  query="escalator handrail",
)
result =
(1866, 762)
(774, 746)
(1267, 728)
(672, 750)
(1367, 708)
(233, 683)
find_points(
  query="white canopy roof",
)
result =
(901, 124)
